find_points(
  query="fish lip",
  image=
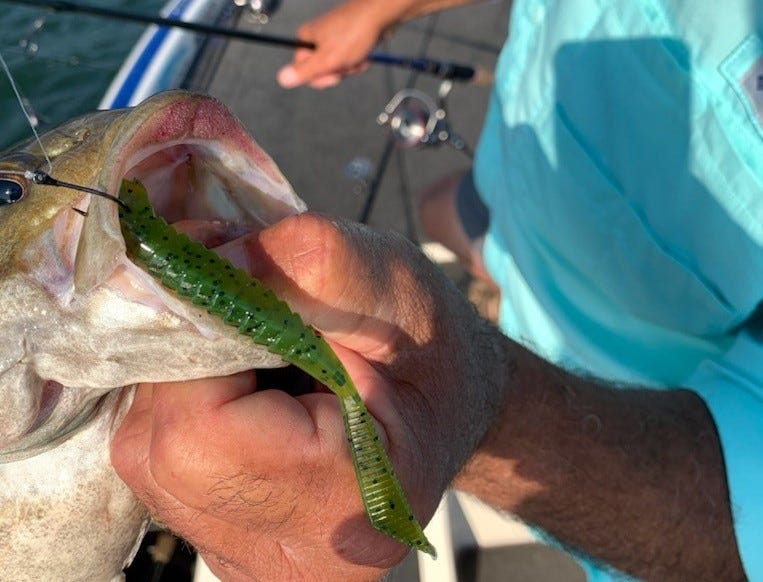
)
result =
(246, 184)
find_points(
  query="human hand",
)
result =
(261, 483)
(344, 37)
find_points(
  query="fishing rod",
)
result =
(442, 69)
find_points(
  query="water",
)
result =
(63, 68)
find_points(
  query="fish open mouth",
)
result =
(204, 173)
(207, 177)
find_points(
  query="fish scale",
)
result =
(192, 271)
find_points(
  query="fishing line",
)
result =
(18, 51)
(20, 99)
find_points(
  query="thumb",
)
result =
(336, 275)
(291, 75)
(306, 260)
(314, 67)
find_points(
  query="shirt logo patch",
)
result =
(752, 84)
(743, 69)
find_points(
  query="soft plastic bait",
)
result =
(194, 272)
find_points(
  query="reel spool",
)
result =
(410, 115)
(415, 119)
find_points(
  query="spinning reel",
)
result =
(415, 119)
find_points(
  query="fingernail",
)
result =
(287, 77)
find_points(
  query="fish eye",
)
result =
(10, 191)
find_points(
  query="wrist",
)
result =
(492, 380)
(486, 474)
(488, 367)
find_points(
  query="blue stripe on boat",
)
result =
(128, 88)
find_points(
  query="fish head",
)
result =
(83, 323)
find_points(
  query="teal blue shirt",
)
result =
(622, 163)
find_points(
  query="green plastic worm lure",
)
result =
(211, 282)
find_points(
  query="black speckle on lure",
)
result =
(192, 271)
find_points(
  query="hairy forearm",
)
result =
(632, 477)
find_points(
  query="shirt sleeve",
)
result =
(732, 388)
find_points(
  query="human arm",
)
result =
(346, 35)
(262, 484)
(631, 477)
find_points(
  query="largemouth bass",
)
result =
(82, 324)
